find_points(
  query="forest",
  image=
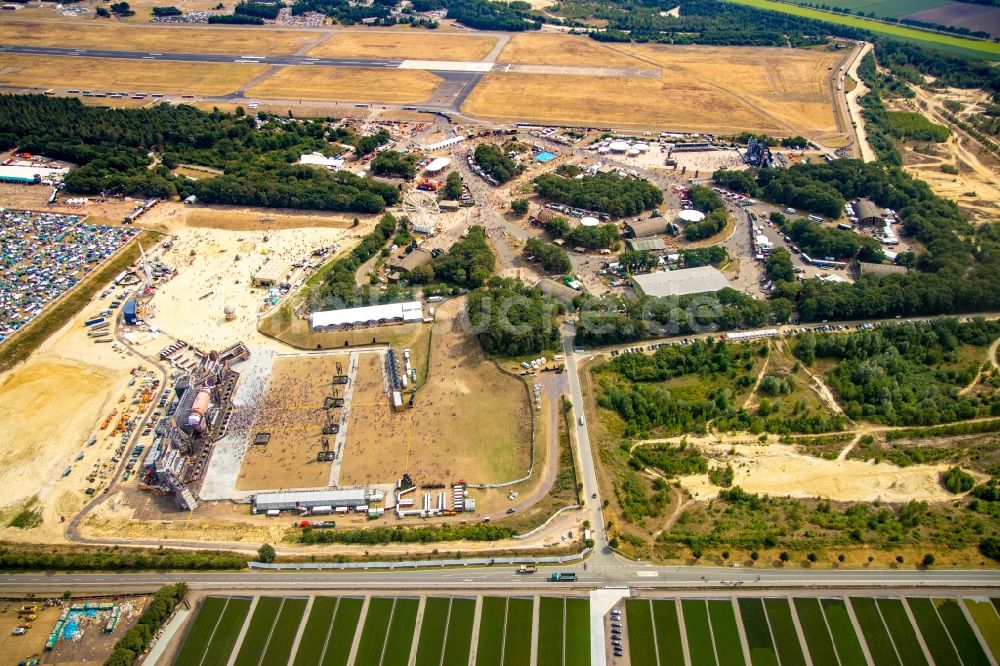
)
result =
(495, 162)
(821, 242)
(112, 147)
(513, 319)
(605, 193)
(716, 215)
(468, 263)
(394, 164)
(552, 257)
(485, 14)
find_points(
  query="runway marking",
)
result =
(647, 574)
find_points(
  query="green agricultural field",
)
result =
(259, 630)
(550, 631)
(969, 47)
(517, 642)
(816, 633)
(962, 635)
(903, 634)
(432, 629)
(779, 616)
(399, 639)
(881, 8)
(372, 642)
(758, 633)
(492, 618)
(876, 635)
(316, 632)
(200, 634)
(279, 645)
(986, 617)
(699, 634)
(668, 633)
(845, 639)
(933, 631)
(577, 633)
(459, 638)
(639, 623)
(727, 636)
(226, 632)
(345, 625)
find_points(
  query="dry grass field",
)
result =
(453, 432)
(549, 48)
(292, 411)
(343, 84)
(241, 219)
(622, 102)
(414, 46)
(160, 39)
(130, 75)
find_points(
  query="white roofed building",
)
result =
(372, 315)
(703, 279)
(437, 165)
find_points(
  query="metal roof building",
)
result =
(373, 315)
(270, 274)
(641, 244)
(868, 213)
(307, 499)
(418, 257)
(437, 164)
(646, 228)
(699, 280)
(557, 290)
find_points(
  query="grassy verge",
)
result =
(953, 43)
(20, 346)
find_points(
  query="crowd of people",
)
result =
(44, 255)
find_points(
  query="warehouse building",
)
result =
(416, 258)
(701, 280)
(372, 315)
(646, 228)
(298, 500)
(645, 245)
(868, 213)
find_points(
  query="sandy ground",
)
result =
(347, 84)
(452, 432)
(550, 48)
(292, 411)
(778, 470)
(421, 45)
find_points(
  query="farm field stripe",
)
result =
(885, 8)
(699, 632)
(550, 631)
(345, 626)
(279, 646)
(985, 615)
(399, 639)
(669, 642)
(974, 48)
(432, 629)
(935, 635)
(374, 631)
(724, 631)
(903, 636)
(818, 640)
(641, 633)
(259, 631)
(845, 638)
(879, 643)
(786, 639)
(577, 635)
(458, 641)
(517, 634)
(327, 630)
(226, 633)
(316, 632)
(759, 639)
(200, 634)
(492, 618)
(966, 642)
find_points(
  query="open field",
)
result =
(961, 15)
(292, 412)
(886, 8)
(29, 71)
(345, 84)
(778, 91)
(179, 39)
(395, 45)
(448, 434)
(550, 48)
(969, 47)
(235, 219)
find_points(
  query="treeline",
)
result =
(258, 9)
(606, 193)
(424, 534)
(703, 256)
(825, 242)
(485, 14)
(552, 257)
(513, 319)
(339, 290)
(912, 125)
(716, 215)
(235, 19)
(670, 460)
(21, 558)
(136, 640)
(900, 375)
(113, 146)
(347, 12)
(495, 162)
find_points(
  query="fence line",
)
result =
(415, 564)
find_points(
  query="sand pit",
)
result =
(348, 84)
(292, 412)
(778, 470)
(469, 421)
(405, 45)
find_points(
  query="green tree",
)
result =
(266, 554)
(453, 186)
(519, 207)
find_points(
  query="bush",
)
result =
(554, 259)
(266, 554)
(990, 547)
(519, 206)
(495, 163)
(957, 481)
